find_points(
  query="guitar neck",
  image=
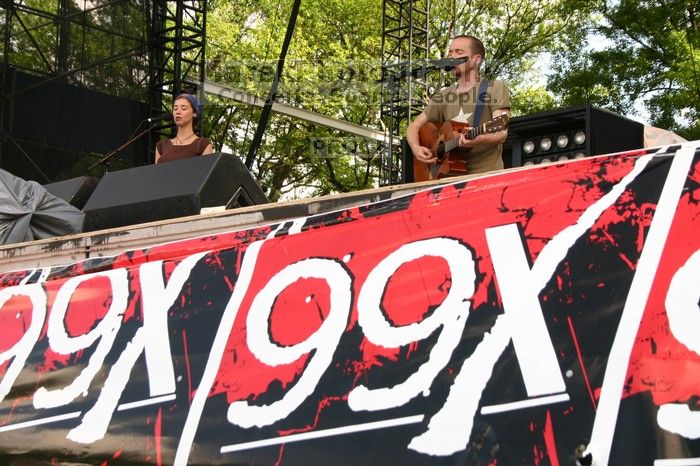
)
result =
(471, 134)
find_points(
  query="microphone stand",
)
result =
(421, 68)
(106, 159)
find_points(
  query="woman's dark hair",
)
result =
(195, 104)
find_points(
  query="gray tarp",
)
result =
(29, 212)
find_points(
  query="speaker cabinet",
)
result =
(569, 133)
(170, 190)
(75, 191)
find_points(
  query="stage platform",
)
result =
(74, 248)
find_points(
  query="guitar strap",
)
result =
(480, 101)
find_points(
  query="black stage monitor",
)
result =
(170, 190)
(569, 133)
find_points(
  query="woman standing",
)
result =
(186, 112)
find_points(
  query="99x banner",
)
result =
(533, 317)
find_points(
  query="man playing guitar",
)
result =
(457, 104)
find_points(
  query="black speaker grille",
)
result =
(170, 190)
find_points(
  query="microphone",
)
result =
(165, 116)
(447, 64)
(422, 67)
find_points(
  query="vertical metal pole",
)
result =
(404, 41)
(7, 51)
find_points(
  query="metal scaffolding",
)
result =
(149, 47)
(139, 50)
(405, 44)
(178, 32)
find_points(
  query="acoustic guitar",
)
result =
(443, 142)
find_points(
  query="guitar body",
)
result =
(443, 142)
(450, 163)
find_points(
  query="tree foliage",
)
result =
(649, 56)
(334, 69)
(515, 33)
(331, 69)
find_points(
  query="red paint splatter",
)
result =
(415, 289)
(15, 319)
(657, 357)
(190, 393)
(549, 441)
(158, 432)
(310, 299)
(322, 404)
(584, 372)
(90, 303)
(278, 462)
(537, 455)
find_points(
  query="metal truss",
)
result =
(155, 53)
(178, 36)
(48, 40)
(242, 96)
(55, 35)
(405, 45)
